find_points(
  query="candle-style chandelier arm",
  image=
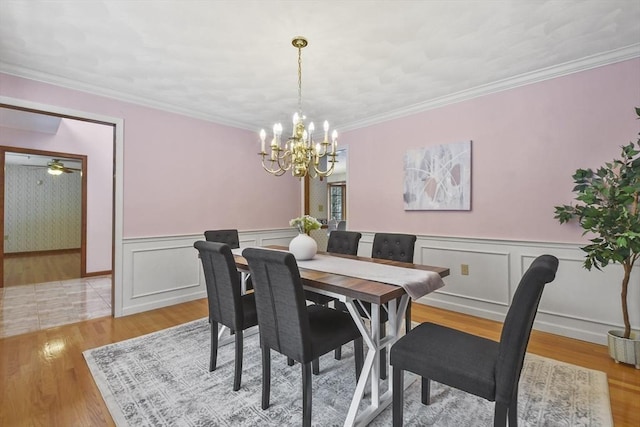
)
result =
(300, 154)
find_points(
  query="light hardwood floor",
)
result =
(49, 267)
(45, 380)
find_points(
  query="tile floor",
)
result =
(27, 308)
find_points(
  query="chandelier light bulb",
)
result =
(263, 135)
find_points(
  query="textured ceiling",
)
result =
(231, 62)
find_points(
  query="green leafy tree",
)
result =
(608, 207)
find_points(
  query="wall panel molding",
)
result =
(161, 271)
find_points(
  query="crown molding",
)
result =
(583, 64)
(116, 95)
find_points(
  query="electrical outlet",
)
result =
(320, 208)
(6, 237)
(464, 269)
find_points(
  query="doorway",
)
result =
(44, 216)
(326, 199)
(115, 176)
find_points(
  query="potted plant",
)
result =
(608, 208)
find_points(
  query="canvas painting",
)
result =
(438, 177)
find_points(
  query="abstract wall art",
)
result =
(438, 177)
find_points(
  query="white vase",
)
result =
(303, 247)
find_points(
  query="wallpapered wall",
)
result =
(42, 212)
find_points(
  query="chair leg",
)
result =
(358, 353)
(266, 376)
(500, 415)
(337, 353)
(426, 391)
(407, 318)
(316, 366)
(213, 358)
(238, 373)
(383, 353)
(513, 410)
(306, 394)
(290, 361)
(398, 396)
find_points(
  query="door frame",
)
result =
(118, 174)
(83, 222)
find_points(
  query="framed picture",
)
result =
(438, 177)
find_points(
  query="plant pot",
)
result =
(303, 247)
(625, 350)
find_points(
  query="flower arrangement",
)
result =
(305, 223)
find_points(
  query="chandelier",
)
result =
(300, 153)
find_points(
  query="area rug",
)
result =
(162, 379)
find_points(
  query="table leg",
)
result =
(371, 368)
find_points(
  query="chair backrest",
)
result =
(230, 237)
(280, 302)
(223, 283)
(393, 246)
(343, 242)
(342, 225)
(518, 323)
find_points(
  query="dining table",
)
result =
(385, 285)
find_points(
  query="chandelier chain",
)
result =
(300, 80)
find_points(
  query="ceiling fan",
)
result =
(56, 167)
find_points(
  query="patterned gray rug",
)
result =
(162, 379)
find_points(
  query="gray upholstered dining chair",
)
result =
(231, 238)
(477, 365)
(344, 242)
(226, 304)
(290, 327)
(340, 242)
(395, 247)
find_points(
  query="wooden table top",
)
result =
(362, 289)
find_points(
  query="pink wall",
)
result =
(96, 142)
(527, 142)
(181, 175)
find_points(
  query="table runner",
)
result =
(417, 283)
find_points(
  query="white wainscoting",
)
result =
(579, 303)
(163, 271)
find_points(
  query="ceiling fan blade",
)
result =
(34, 166)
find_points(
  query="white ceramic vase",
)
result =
(303, 247)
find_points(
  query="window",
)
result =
(337, 200)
